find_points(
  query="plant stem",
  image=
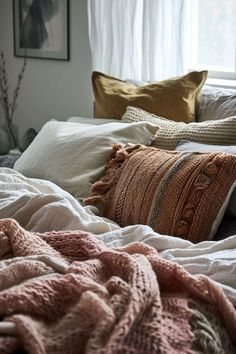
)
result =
(11, 133)
(9, 106)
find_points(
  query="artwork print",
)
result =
(41, 28)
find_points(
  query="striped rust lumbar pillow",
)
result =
(177, 194)
(218, 132)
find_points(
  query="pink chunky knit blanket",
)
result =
(67, 293)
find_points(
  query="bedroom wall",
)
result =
(50, 88)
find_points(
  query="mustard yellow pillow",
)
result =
(174, 98)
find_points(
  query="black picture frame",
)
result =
(41, 29)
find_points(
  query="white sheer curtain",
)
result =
(142, 40)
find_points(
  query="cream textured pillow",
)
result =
(74, 155)
(169, 133)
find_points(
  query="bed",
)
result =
(75, 281)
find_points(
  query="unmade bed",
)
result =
(119, 235)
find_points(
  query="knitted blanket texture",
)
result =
(167, 190)
(67, 293)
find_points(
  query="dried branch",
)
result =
(8, 106)
(17, 89)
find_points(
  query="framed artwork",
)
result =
(41, 29)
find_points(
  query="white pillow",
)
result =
(96, 121)
(74, 155)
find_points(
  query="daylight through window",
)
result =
(213, 37)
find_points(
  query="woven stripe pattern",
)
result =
(215, 132)
(166, 190)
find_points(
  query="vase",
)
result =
(27, 139)
(12, 133)
(4, 143)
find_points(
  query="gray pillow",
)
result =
(231, 209)
(216, 103)
(198, 147)
(227, 228)
(184, 145)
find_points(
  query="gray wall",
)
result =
(50, 88)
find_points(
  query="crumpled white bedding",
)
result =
(40, 206)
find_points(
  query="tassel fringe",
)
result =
(117, 157)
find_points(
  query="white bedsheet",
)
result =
(42, 206)
(217, 259)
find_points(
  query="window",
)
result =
(213, 37)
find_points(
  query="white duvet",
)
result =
(42, 206)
